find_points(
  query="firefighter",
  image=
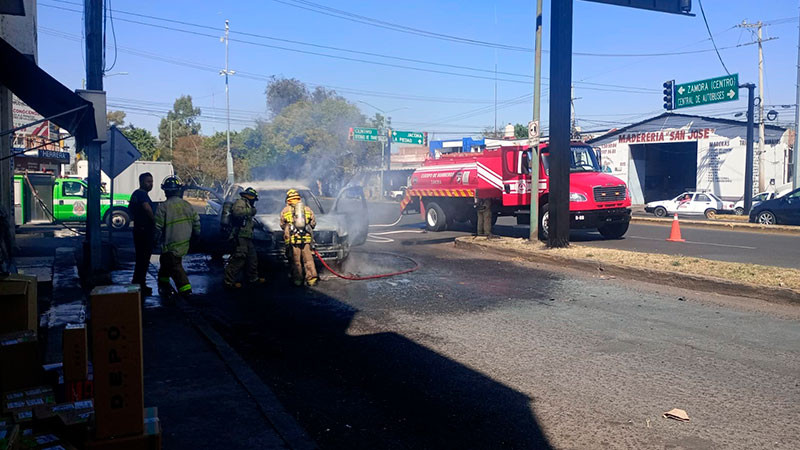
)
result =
(176, 223)
(244, 255)
(298, 223)
(484, 207)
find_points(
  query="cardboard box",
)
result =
(150, 439)
(18, 309)
(27, 398)
(117, 361)
(19, 361)
(8, 436)
(76, 353)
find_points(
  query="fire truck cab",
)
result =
(444, 190)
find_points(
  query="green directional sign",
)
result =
(364, 134)
(408, 137)
(706, 92)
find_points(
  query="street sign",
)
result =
(682, 7)
(706, 92)
(533, 129)
(408, 137)
(364, 134)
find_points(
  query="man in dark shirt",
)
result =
(141, 208)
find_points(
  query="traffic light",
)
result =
(425, 138)
(350, 134)
(669, 89)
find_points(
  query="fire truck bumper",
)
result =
(596, 218)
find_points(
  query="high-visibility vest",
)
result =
(176, 221)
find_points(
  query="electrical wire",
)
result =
(711, 36)
(113, 34)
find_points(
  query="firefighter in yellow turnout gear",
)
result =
(298, 223)
(244, 255)
(176, 223)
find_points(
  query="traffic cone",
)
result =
(675, 233)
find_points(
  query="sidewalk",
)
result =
(200, 399)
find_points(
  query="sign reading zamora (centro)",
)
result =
(408, 137)
(705, 92)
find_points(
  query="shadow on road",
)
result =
(372, 390)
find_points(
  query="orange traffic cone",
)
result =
(675, 233)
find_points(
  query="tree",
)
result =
(116, 118)
(520, 131)
(180, 122)
(143, 140)
(282, 92)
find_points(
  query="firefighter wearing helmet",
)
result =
(176, 223)
(244, 256)
(298, 223)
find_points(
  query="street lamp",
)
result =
(107, 75)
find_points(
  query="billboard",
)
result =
(23, 114)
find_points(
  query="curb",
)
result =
(730, 226)
(676, 279)
(284, 423)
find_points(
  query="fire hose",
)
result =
(369, 277)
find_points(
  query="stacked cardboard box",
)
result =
(18, 310)
(20, 366)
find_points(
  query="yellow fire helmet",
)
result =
(292, 196)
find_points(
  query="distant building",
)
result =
(665, 155)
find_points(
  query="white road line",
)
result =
(693, 242)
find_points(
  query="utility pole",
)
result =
(534, 140)
(762, 177)
(93, 29)
(227, 72)
(560, 82)
(796, 149)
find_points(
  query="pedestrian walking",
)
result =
(175, 223)
(144, 228)
(244, 256)
(298, 223)
(484, 207)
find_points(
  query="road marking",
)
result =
(699, 243)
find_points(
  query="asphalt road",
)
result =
(478, 351)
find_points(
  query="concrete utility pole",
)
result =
(762, 178)
(796, 150)
(534, 140)
(93, 29)
(748, 161)
(560, 82)
(227, 72)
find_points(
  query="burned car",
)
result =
(345, 226)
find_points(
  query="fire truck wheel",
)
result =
(614, 230)
(435, 218)
(544, 222)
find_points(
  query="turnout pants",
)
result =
(244, 257)
(143, 244)
(485, 218)
(172, 268)
(302, 258)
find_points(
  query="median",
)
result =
(774, 284)
(731, 223)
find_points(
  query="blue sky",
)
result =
(163, 64)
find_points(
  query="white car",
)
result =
(738, 208)
(693, 203)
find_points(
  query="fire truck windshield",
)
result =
(581, 159)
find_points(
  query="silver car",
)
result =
(345, 226)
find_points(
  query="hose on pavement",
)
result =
(370, 277)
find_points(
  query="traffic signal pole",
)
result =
(560, 105)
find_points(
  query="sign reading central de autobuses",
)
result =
(666, 136)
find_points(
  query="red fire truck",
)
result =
(445, 188)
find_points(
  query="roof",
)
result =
(688, 116)
(46, 95)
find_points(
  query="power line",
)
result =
(711, 36)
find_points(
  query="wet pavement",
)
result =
(477, 351)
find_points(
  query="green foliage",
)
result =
(116, 118)
(282, 92)
(520, 131)
(143, 140)
(183, 122)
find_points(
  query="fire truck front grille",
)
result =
(609, 194)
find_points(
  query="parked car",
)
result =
(345, 226)
(397, 194)
(738, 208)
(783, 210)
(693, 203)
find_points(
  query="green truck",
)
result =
(43, 198)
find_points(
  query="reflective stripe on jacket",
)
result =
(292, 235)
(243, 213)
(176, 222)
